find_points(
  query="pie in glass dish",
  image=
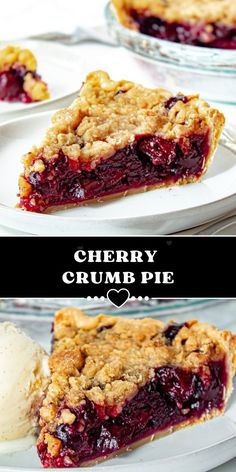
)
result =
(19, 80)
(117, 383)
(207, 23)
(115, 138)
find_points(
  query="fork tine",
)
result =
(228, 138)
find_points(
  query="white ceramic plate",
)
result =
(155, 212)
(60, 67)
(199, 448)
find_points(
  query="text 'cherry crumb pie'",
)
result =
(119, 137)
(206, 23)
(116, 383)
(19, 80)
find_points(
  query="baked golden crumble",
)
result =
(11, 55)
(108, 115)
(37, 89)
(107, 359)
(208, 11)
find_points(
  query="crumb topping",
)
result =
(108, 115)
(36, 89)
(14, 55)
(107, 359)
(207, 11)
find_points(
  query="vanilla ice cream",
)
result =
(23, 378)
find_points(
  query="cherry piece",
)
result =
(12, 85)
(171, 331)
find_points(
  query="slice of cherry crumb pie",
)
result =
(116, 383)
(19, 81)
(118, 137)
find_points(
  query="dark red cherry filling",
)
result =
(150, 160)
(11, 85)
(173, 100)
(215, 35)
(173, 396)
(171, 331)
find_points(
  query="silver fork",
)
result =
(80, 35)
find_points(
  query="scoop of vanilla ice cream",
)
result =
(23, 378)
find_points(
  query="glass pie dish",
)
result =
(208, 71)
(44, 308)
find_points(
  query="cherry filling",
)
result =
(171, 331)
(150, 160)
(173, 396)
(11, 85)
(215, 35)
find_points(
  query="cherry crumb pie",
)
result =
(19, 81)
(118, 137)
(207, 23)
(116, 383)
